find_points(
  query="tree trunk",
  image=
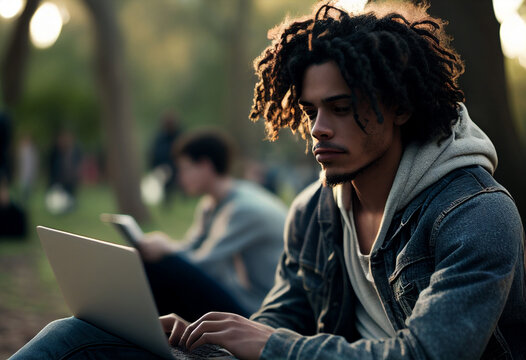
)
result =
(13, 67)
(122, 160)
(475, 30)
(239, 80)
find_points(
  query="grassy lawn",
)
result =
(29, 296)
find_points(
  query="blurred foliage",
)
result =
(176, 59)
(58, 91)
(175, 53)
(516, 75)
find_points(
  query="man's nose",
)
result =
(322, 127)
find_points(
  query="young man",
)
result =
(408, 248)
(229, 254)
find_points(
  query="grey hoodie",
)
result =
(420, 167)
(423, 165)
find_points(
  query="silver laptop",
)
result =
(105, 285)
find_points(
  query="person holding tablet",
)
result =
(228, 257)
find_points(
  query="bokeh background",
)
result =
(93, 90)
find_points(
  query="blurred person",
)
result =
(64, 171)
(27, 165)
(13, 219)
(5, 144)
(231, 250)
(407, 247)
(160, 157)
(91, 168)
(263, 174)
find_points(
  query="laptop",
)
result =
(105, 284)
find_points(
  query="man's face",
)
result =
(193, 176)
(343, 149)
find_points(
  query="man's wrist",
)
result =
(280, 344)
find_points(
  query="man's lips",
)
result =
(322, 151)
(325, 151)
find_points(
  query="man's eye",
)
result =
(311, 113)
(341, 109)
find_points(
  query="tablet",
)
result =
(126, 225)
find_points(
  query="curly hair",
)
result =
(391, 53)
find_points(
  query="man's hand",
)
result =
(155, 245)
(242, 337)
(173, 325)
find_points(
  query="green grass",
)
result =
(27, 282)
(173, 218)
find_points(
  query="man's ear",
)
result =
(401, 117)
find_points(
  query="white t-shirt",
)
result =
(371, 319)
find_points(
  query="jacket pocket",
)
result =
(408, 282)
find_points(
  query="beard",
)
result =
(337, 179)
(342, 178)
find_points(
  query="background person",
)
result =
(27, 167)
(160, 156)
(13, 218)
(230, 253)
(64, 163)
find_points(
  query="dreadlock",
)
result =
(393, 54)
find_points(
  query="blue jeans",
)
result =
(72, 338)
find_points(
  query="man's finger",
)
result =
(167, 322)
(177, 331)
(205, 327)
(211, 316)
(221, 338)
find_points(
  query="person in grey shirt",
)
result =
(229, 255)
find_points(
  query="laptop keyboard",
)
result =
(206, 351)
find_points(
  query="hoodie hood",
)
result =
(423, 165)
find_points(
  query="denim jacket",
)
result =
(450, 276)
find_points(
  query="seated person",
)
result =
(13, 222)
(233, 246)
